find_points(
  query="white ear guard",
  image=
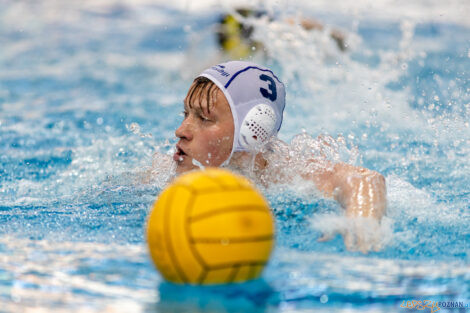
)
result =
(257, 127)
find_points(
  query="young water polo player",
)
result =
(232, 114)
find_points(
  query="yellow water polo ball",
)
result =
(210, 227)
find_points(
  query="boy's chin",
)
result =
(187, 165)
(183, 168)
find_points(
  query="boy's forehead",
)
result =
(205, 97)
(199, 95)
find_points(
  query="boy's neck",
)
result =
(244, 160)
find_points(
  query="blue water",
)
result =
(89, 91)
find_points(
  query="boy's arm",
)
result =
(360, 191)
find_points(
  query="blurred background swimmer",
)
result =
(235, 32)
(232, 114)
(251, 33)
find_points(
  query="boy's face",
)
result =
(206, 133)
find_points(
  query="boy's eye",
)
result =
(184, 114)
(204, 118)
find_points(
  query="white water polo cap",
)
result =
(256, 98)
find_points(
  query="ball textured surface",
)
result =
(210, 227)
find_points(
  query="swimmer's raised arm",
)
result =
(360, 191)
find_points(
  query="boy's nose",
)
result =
(184, 131)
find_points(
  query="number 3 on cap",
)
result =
(272, 87)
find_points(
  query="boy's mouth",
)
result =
(179, 154)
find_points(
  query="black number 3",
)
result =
(272, 87)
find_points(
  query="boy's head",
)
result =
(230, 107)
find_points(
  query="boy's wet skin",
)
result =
(206, 133)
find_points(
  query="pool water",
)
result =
(89, 90)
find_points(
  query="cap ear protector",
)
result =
(257, 127)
